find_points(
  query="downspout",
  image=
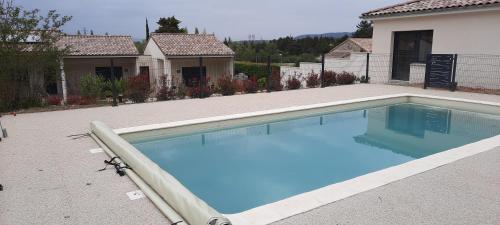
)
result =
(63, 81)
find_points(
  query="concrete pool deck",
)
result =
(50, 178)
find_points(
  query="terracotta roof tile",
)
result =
(364, 43)
(98, 45)
(427, 6)
(190, 45)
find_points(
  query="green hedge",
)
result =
(254, 69)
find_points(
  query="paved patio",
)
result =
(50, 178)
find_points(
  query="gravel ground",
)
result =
(50, 178)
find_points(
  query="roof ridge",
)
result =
(88, 35)
(428, 6)
(155, 33)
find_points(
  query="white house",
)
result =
(406, 33)
(181, 58)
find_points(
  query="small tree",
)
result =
(20, 62)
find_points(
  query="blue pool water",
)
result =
(237, 169)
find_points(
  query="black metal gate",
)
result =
(440, 71)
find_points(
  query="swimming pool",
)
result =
(237, 169)
(260, 167)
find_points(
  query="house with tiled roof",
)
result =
(350, 45)
(184, 58)
(94, 54)
(412, 30)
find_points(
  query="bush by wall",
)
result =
(276, 84)
(137, 88)
(293, 83)
(53, 100)
(345, 78)
(312, 80)
(92, 86)
(226, 85)
(165, 93)
(251, 85)
(329, 78)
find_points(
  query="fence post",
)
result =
(201, 77)
(427, 70)
(322, 70)
(367, 77)
(270, 74)
(453, 85)
(113, 83)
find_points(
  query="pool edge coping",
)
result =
(307, 201)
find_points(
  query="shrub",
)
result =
(165, 93)
(28, 102)
(73, 100)
(329, 78)
(181, 92)
(226, 85)
(345, 78)
(364, 79)
(86, 101)
(239, 85)
(276, 84)
(54, 100)
(200, 92)
(312, 80)
(91, 86)
(293, 83)
(262, 83)
(137, 88)
(197, 92)
(251, 85)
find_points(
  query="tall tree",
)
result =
(363, 30)
(28, 53)
(196, 31)
(91, 32)
(169, 25)
(147, 29)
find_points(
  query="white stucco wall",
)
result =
(355, 64)
(460, 33)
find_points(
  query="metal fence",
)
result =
(475, 73)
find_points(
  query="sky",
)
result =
(266, 19)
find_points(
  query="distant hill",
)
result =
(332, 34)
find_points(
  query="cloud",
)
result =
(235, 18)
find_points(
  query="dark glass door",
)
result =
(191, 75)
(409, 47)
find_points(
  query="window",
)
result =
(191, 75)
(144, 70)
(106, 72)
